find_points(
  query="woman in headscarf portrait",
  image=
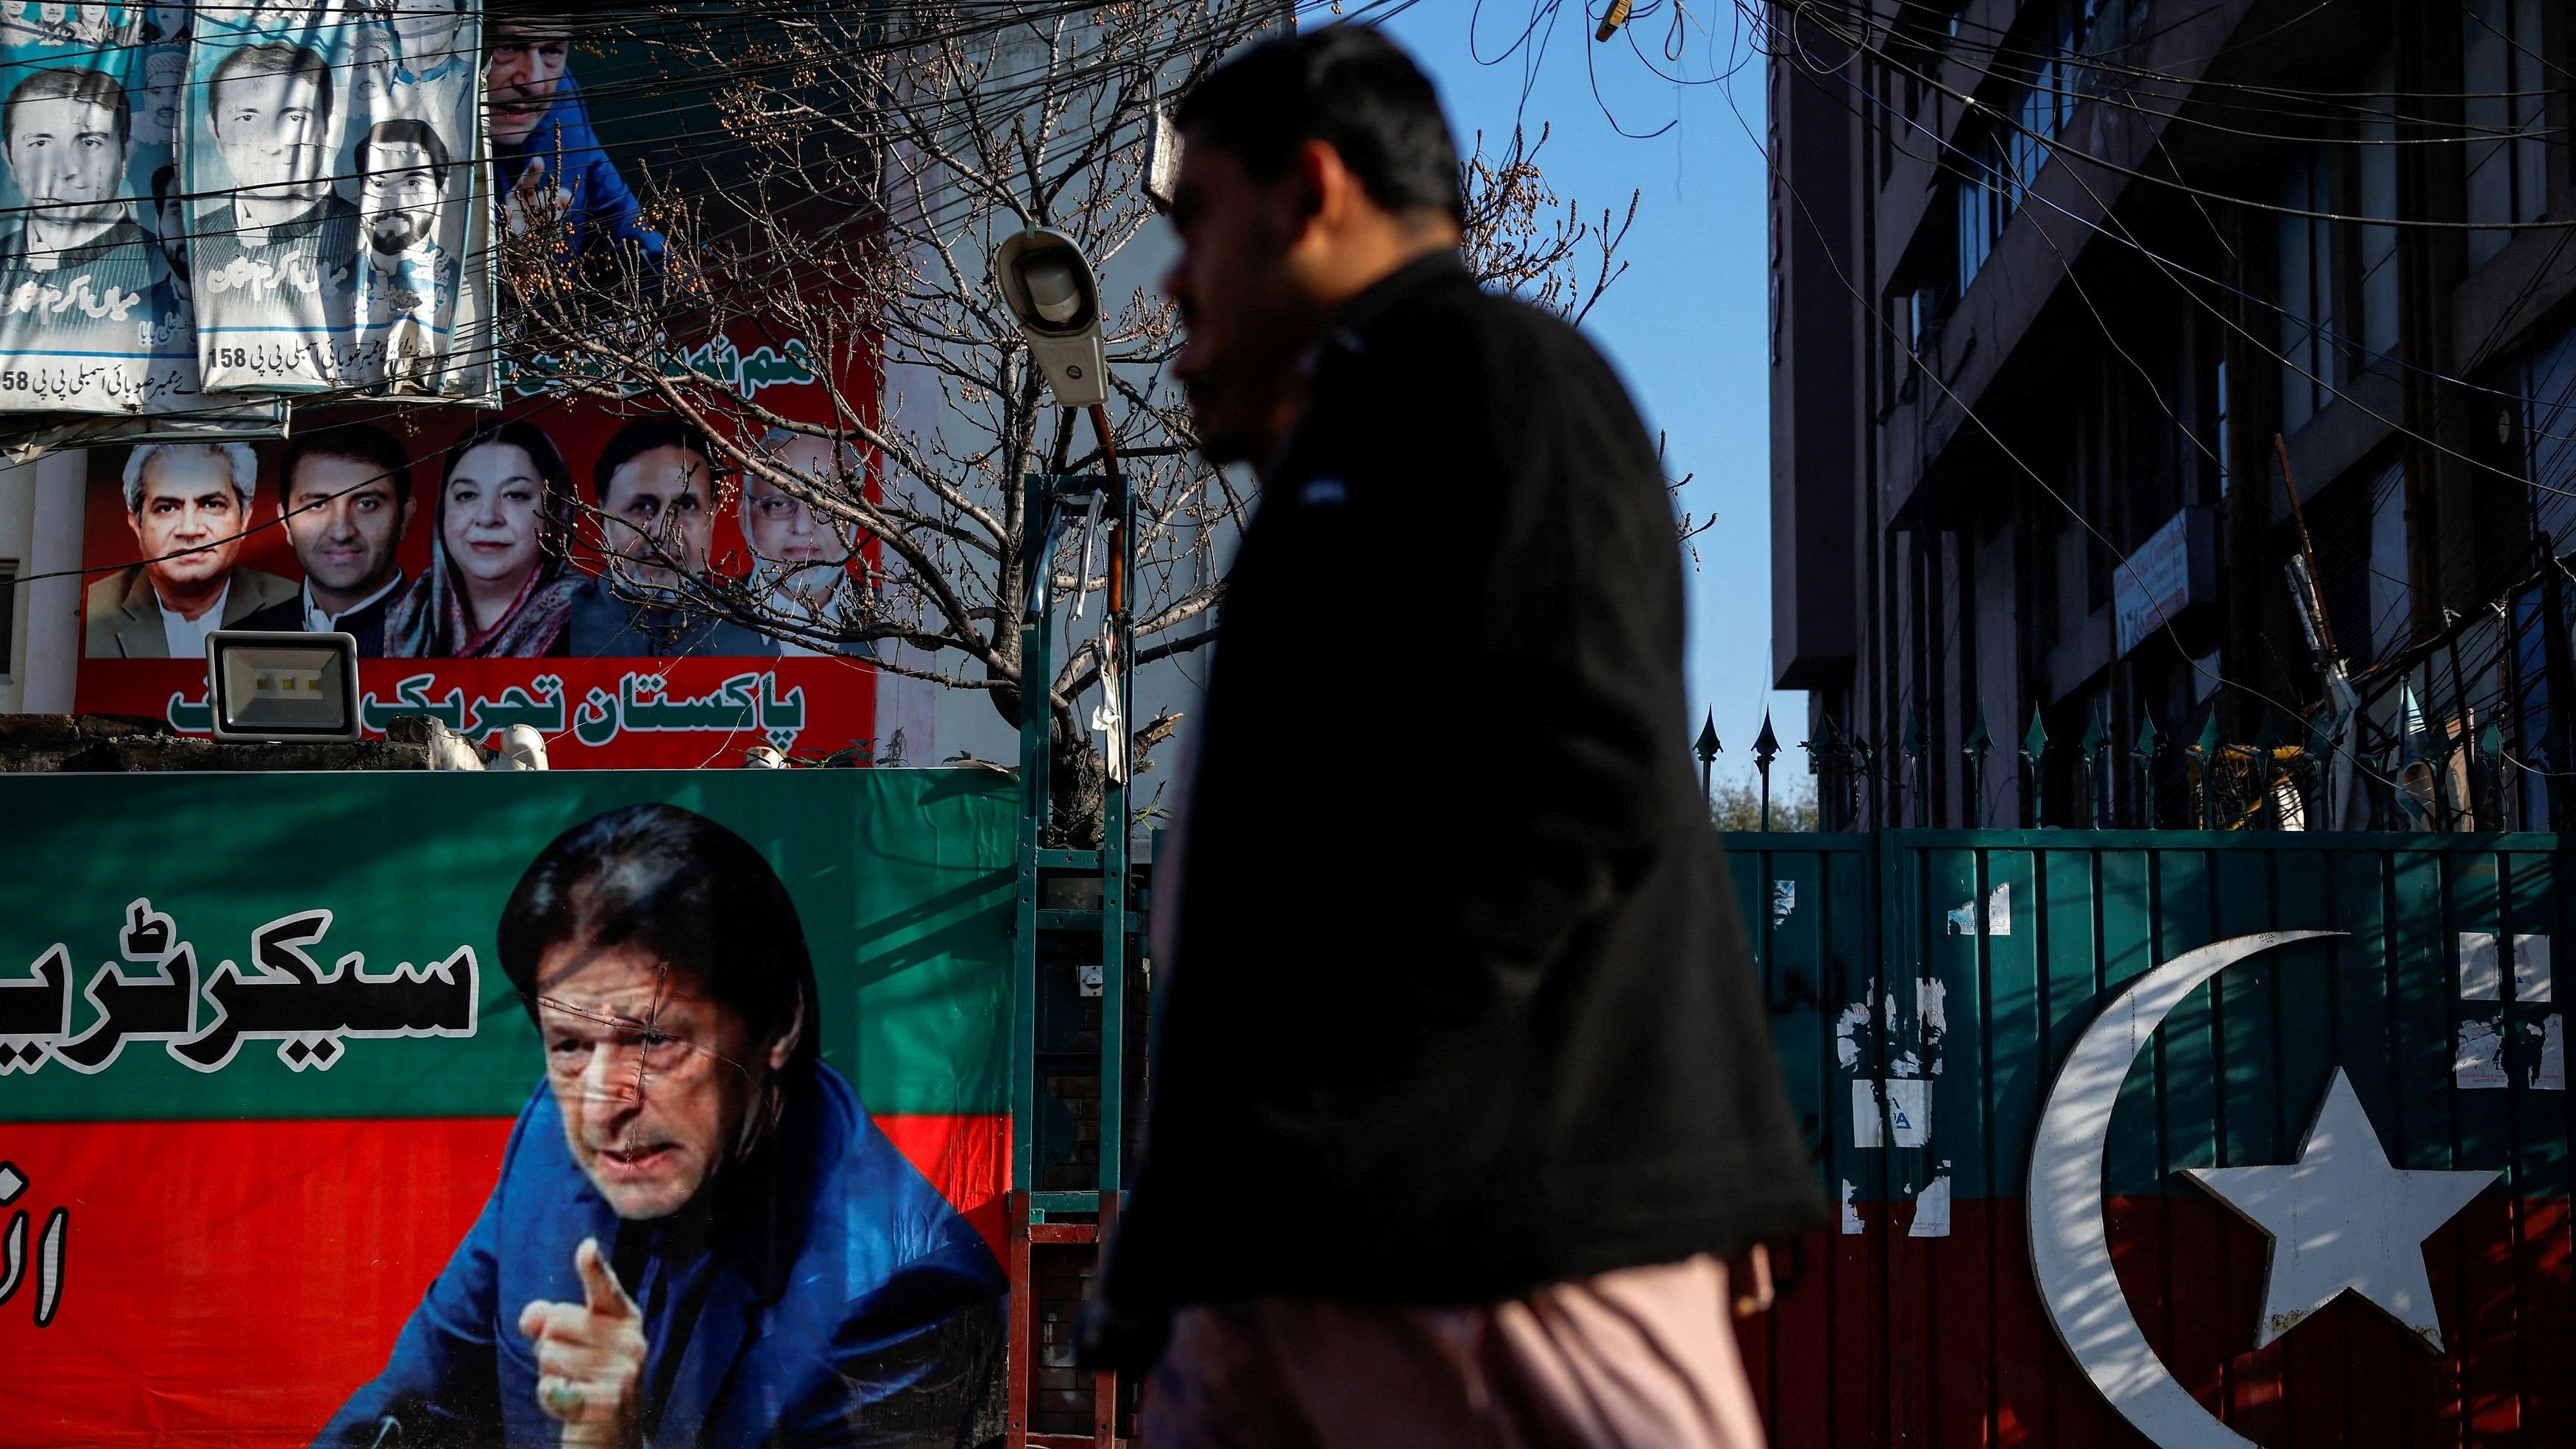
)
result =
(497, 584)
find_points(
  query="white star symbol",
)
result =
(2342, 1219)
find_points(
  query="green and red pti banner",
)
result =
(359, 1108)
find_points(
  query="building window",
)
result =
(2222, 410)
(2504, 99)
(1996, 177)
(1981, 213)
(2549, 441)
(2307, 290)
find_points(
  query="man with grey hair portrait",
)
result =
(188, 504)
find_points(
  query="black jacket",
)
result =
(1461, 1004)
(367, 624)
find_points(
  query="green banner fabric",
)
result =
(901, 877)
(286, 1160)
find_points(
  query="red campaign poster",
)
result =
(470, 554)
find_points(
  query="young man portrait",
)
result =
(409, 280)
(698, 1236)
(280, 248)
(188, 504)
(346, 495)
(67, 135)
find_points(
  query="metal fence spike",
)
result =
(1707, 748)
(1766, 748)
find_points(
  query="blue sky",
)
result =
(1685, 325)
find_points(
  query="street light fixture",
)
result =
(264, 686)
(1048, 286)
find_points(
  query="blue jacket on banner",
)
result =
(824, 1294)
(603, 210)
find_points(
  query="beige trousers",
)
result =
(1641, 1358)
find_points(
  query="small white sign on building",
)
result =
(2174, 569)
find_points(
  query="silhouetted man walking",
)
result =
(1464, 1084)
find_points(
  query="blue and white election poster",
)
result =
(93, 284)
(332, 161)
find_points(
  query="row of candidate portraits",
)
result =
(503, 577)
(68, 135)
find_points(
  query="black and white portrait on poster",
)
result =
(92, 318)
(331, 157)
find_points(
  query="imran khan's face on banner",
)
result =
(65, 156)
(527, 68)
(268, 127)
(657, 1083)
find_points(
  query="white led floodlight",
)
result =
(264, 686)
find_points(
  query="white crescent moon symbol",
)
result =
(2070, 1249)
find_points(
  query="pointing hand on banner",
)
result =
(531, 202)
(590, 1357)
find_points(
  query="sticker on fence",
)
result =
(1963, 920)
(1932, 1209)
(2479, 1062)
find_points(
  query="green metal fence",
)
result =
(1924, 987)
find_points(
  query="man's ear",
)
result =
(1324, 189)
(402, 525)
(784, 1048)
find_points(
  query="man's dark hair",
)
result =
(681, 886)
(642, 436)
(95, 87)
(358, 442)
(165, 185)
(1344, 85)
(404, 131)
(272, 58)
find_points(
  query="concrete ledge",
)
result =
(104, 743)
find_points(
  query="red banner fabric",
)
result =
(233, 1282)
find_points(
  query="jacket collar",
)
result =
(1426, 273)
(756, 1222)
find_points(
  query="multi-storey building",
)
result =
(2049, 278)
